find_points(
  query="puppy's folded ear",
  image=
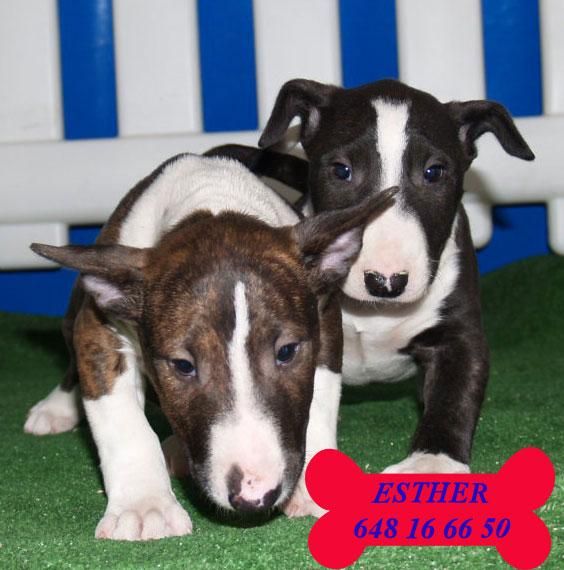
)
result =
(298, 97)
(474, 118)
(331, 241)
(112, 274)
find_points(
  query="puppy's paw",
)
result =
(175, 457)
(57, 413)
(146, 519)
(419, 462)
(300, 504)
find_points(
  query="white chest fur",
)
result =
(374, 336)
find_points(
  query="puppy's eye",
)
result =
(184, 367)
(342, 171)
(434, 173)
(286, 353)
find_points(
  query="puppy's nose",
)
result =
(379, 285)
(248, 493)
(243, 505)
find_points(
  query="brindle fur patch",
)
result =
(109, 235)
(97, 351)
(331, 333)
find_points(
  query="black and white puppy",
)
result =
(411, 300)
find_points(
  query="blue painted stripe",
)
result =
(512, 54)
(87, 68)
(368, 41)
(227, 63)
(513, 77)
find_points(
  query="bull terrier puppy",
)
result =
(411, 301)
(207, 284)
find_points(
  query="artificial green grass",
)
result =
(51, 492)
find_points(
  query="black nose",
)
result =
(379, 285)
(243, 505)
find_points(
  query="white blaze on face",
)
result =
(391, 140)
(246, 436)
(394, 242)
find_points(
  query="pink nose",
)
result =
(248, 493)
(383, 286)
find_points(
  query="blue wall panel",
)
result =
(87, 67)
(227, 63)
(42, 292)
(520, 231)
(35, 292)
(368, 41)
(513, 77)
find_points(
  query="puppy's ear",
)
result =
(474, 118)
(112, 274)
(298, 97)
(331, 241)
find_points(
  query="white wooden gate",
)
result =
(48, 184)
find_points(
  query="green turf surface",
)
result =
(50, 487)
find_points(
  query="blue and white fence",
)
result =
(94, 93)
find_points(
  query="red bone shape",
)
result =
(474, 507)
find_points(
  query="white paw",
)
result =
(57, 413)
(419, 462)
(300, 504)
(147, 519)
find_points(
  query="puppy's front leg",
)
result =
(321, 434)
(141, 503)
(455, 378)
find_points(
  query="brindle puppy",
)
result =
(207, 284)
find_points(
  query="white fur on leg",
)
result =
(60, 411)
(141, 504)
(419, 462)
(321, 434)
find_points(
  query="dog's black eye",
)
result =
(342, 171)
(184, 367)
(434, 173)
(287, 352)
